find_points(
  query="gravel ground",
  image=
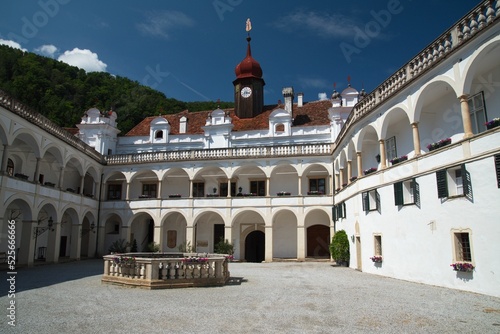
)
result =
(279, 297)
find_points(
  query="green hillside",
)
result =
(63, 93)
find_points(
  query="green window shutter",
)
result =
(416, 192)
(467, 184)
(398, 193)
(442, 183)
(334, 213)
(377, 201)
(344, 212)
(497, 168)
(366, 201)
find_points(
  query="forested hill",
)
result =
(63, 93)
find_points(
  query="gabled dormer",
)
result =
(218, 127)
(159, 130)
(280, 123)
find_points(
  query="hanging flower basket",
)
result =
(463, 266)
(398, 160)
(493, 123)
(441, 143)
(376, 258)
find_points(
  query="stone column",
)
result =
(5, 159)
(416, 138)
(349, 171)
(360, 164)
(269, 243)
(341, 180)
(37, 170)
(61, 176)
(228, 187)
(76, 241)
(27, 245)
(190, 236)
(268, 186)
(299, 185)
(383, 163)
(190, 188)
(127, 192)
(301, 243)
(464, 106)
(337, 181)
(158, 193)
(53, 242)
(82, 184)
(330, 184)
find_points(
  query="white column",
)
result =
(301, 243)
(383, 163)
(76, 241)
(464, 106)
(269, 243)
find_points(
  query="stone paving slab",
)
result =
(283, 297)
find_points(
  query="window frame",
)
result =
(390, 148)
(149, 190)
(371, 197)
(10, 167)
(407, 193)
(377, 245)
(463, 250)
(445, 178)
(198, 189)
(478, 126)
(258, 187)
(113, 188)
(317, 184)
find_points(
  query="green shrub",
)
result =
(153, 247)
(339, 248)
(186, 248)
(223, 247)
(119, 246)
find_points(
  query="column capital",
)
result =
(463, 97)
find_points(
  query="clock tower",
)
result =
(248, 86)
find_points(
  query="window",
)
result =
(10, 167)
(371, 200)
(317, 185)
(198, 189)
(497, 168)
(390, 148)
(223, 189)
(339, 211)
(477, 112)
(454, 182)
(159, 134)
(258, 187)
(462, 246)
(377, 242)
(171, 238)
(280, 128)
(149, 190)
(407, 193)
(114, 191)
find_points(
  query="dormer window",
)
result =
(159, 134)
(280, 128)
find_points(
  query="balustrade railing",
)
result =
(221, 153)
(44, 123)
(166, 270)
(479, 18)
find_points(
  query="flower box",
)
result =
(398, 160)
(283, 193)
(49, 184)
(144, 196)
(376, 258)
(212, 195)
(174, 196)
(493, 123)
(21, 176)
(463, 266)
(439, 144)
(354, 178)
(195, 259)
(249, 194)
(70, 190)
(315, 193)
(371, 170)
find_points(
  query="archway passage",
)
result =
(318, 239)
(255, 246)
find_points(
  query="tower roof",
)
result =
(248, 67)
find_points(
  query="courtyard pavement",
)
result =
(279, 297)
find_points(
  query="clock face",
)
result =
(246, 92)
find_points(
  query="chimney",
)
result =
(300, 99)
(288, 95)
(183, 124)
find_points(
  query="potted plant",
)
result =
(339, 248)
(370, 170)
(376, 258)
(441, 143)
(493, 123)
(398, 160)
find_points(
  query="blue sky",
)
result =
(189, 49)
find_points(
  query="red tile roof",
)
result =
(310, 114)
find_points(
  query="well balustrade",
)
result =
(166, 270)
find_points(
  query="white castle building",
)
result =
(410, 171)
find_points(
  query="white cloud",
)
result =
(312, 82)
(12, 44)
(85, 59)
(162, 23)
(47, 50)
(323, 24)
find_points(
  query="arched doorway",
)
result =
(255, 246)
(318, 239)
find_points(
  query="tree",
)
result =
(339, 248)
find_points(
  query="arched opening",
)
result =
(255, 246)
(159, 134)
(318, 239)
